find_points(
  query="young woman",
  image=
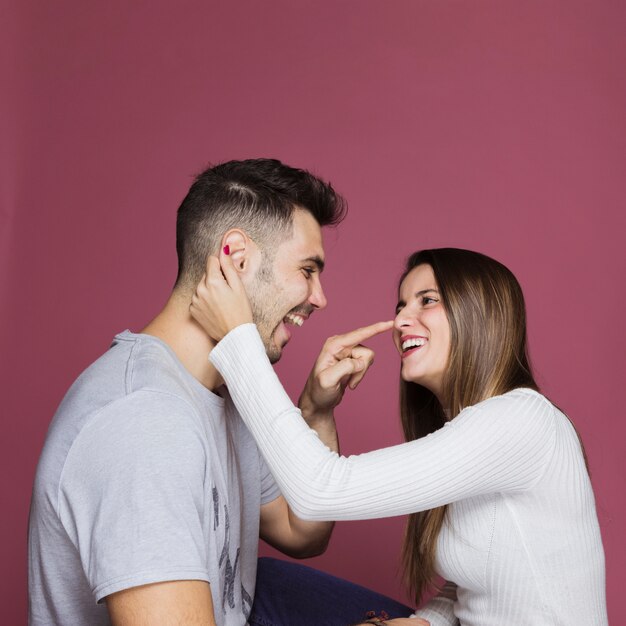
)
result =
(493, 475)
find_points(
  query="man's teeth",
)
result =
(412, 343)
(296, 320)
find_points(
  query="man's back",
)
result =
(146, 476)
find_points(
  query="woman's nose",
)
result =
(401, 321)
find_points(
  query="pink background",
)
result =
(492, 125)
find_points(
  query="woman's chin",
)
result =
(407, 377)
(411, 377)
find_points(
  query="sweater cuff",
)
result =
(439, 612)
(241, 359)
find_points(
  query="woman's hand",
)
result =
(220, 302)
(343, 362)
(400, 621)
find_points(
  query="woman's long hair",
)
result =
(488, 357)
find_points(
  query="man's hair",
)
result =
(257, 195)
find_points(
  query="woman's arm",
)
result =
(501, 445)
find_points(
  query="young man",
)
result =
(150, 494)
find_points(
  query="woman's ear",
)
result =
(241, 248)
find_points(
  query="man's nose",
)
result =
(317, 298)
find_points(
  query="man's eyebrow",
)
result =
(316, 260)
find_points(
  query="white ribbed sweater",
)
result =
(521, 544)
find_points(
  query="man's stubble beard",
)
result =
(263, 296)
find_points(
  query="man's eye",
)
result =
(308, 272)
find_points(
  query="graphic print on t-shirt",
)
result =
(229, 569)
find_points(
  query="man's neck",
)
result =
(175, 326)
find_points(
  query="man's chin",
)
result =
(273, 351)
(274, 358)
(277, 341)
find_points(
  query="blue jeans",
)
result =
(290, 594)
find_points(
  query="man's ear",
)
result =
(242, 250)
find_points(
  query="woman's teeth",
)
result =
(412, 343)
(292, 318)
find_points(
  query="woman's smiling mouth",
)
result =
(410, 344)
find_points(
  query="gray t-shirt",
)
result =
(145, 476)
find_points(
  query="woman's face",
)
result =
(421, 330)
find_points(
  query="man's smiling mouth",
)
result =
(294, 318)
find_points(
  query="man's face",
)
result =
(287, 290)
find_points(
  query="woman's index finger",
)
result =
(354, 337)
(228, 267)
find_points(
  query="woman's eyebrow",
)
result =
(402, 303)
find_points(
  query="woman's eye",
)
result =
(427, 300)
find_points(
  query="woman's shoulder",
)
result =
(522, 405)
(521, 395)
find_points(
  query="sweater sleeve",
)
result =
(439, 610)
(500, 445)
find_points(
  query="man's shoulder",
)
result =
(137, 376)
(133, 363)
(152, 367)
